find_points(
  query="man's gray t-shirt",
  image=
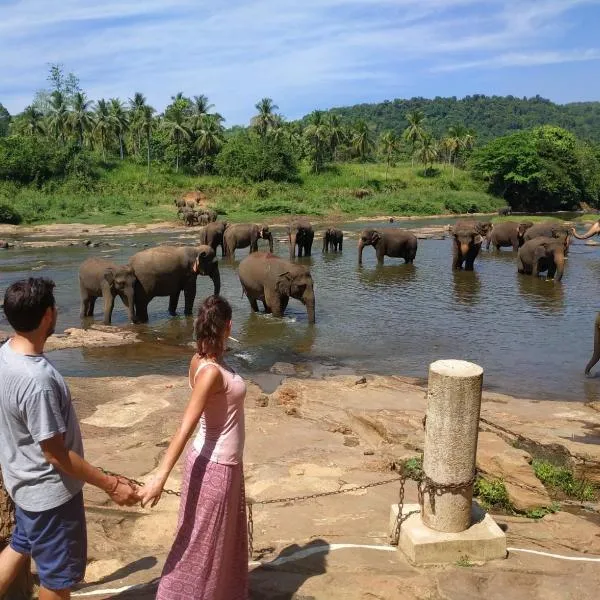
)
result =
(35, 405)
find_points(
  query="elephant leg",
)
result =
(173, 301)
(596, 355)
(189, 294)
(273, 300)
(109, 304)
(92, 305)
(308, 249)
(141, 311)
(284, 302)
(380, 256)
(253, 304)
(85, 306)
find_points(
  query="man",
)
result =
(41, 451)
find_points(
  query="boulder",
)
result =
(497, 458)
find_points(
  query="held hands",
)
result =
(124, 492)
(152, 491)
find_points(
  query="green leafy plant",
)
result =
(492, 493)
(562, 479)
(9, 215)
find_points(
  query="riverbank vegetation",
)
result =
(66, 158)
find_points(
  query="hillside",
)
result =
(490, 116)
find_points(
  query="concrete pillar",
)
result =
(453, 405)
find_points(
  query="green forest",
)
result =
(67, 157)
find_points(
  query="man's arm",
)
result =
(70, 463)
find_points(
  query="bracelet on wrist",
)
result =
(114, 489)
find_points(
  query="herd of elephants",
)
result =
(169, 270)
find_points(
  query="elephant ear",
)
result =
(284, 284)
(376, 237)
(109, 276)
(478, 239)
(540, 251)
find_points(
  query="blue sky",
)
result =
(305, 54)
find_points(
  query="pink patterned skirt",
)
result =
(209, 558)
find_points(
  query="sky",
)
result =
(305, 54)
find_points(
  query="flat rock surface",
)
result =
(127, 423)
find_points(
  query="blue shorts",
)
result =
(56, 540)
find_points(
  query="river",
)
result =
(533, 338)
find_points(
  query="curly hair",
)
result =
(209, 326)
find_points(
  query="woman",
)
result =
(209, 558)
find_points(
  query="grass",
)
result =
(561, 479)
(123, 193)
(464, 561)
(492, 494)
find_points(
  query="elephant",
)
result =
(300, 233)
(550, 229)
(100, 277)
(505, 211)
(189, 216)
(181, 203)
(209, 215)
(542, 254)
(507, 234)
(596, 355)
(593, 230)
(242, 236)
(273, 281)
(333, 239)
(212, 235)
(467, 239)
(168, 270)
(396, 243)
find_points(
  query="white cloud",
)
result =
(297, 52)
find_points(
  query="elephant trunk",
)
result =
(128, 301)
(361, 245)
(464, 248)
(309, 302)
(559, 261)
(215, 275)
(270, 238)
(596, 355)
(593, 230)
(292, 245)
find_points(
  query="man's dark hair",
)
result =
(26, 302)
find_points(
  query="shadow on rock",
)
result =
(281, 578)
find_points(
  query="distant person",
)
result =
(41, 451)
(209, 558)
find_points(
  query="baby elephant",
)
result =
(333, 240)
(100, 277)
(542, 254)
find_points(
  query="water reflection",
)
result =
(542, 294)
(466, 287)
(385, 275)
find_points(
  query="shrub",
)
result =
(562, 478)
(9, 215)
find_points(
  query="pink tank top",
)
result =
(221, 435)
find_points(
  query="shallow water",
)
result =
(532, 338)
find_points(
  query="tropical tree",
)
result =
(362, 142)
(103, 124)
(209, 136)
(427, 152)
(335, 133)
(80, 117)
(31, 121)
(119, 121)
(389, 147)
(201, 106)
(4, 121)
(176, 124)
(415, 131)
(147, 124)
(316, 134)
(266, 117)
(58, 118)
(136, 107)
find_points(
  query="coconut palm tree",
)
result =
(201, 106)
(175, 123)
(265, 118)
(456, 142)
(362, 142)
(120, 121)
(31, 121)
(389, 147)
(415, 131)
(335, 133)
(316, 134)
(427, 152)
(209, 136)
(80, 118)
(136, 108)
(58, 118)
(147, 124)
(103, 124)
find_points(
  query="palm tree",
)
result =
(265, 118)
(335, 132)
(80, 118)
(175, 123)
(415, 132)
(427, 152)
(389, 147)
(136, 107)
(59, 115)
(32, 121)
(103, 125)
(201, 106)
(316, 134)
(209, 136)
(146, 126)
(362, 142)
(120, 121)
(455, 142)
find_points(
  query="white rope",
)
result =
(323, 549)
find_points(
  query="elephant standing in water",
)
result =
(333, 239)
(242, 236)
(596, 355)
(396, 243)
(467, 237)
(542, 254)
(300, 233)
(551, 229)
(100, 277)
(212, 235)
(507, 234)
(169, 270)
(273, 281)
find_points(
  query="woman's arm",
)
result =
(209, 381)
